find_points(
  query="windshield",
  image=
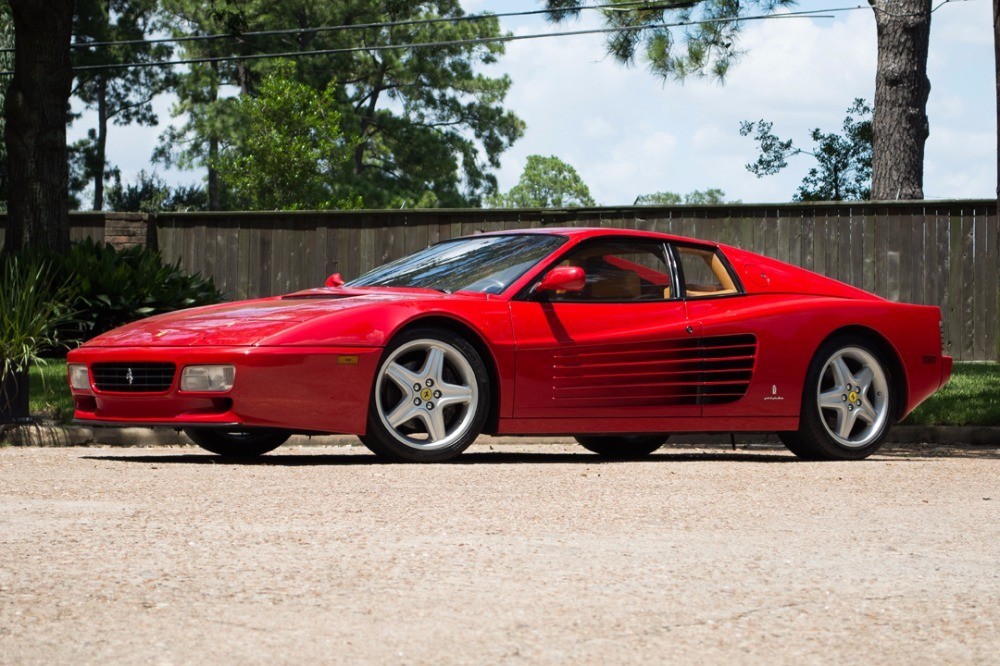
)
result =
(485, 264)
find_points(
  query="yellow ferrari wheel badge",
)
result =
(852, 396)
(426, 395)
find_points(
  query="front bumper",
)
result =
(305, 389)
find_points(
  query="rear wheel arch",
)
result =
(888, 352)
(470, 335)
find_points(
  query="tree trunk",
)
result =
(996, 59)
(102, 141)
(899, 126)
(35, 109)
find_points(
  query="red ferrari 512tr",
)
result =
(615, 337)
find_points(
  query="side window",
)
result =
(704, 273)
(620, 270)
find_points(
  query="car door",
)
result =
(620, 347)
(732, 333)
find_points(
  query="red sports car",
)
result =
(615, 337)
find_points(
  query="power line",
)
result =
(635, 4)
(826, 13)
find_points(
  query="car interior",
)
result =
(628, 271)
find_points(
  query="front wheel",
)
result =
(241, 444)
(430, 398)
(847, 404)
(621, 447)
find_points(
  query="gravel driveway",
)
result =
(518, 554)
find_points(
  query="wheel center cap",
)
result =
(852, 396)
(426, 394)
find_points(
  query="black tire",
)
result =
(848, 402)
(621, 447)
(430, 397)
(241, 444)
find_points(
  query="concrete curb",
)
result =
(52, 434)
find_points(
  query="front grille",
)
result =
(133, 377)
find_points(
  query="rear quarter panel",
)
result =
(791, 328)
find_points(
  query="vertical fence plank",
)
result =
(968, 312)
(977, 258)
(955, 283)
(243, 269)
(991, 283)
(210, 264)
(906, 249)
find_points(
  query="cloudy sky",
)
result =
(628, 134)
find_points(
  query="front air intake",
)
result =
(133, 377)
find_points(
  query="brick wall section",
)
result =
(123, 230)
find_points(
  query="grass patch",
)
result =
(49, 393)
(970, 398)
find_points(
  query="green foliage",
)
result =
(120, 96)
(424, 127)
(86, 164)
(843, 168)
(113, 287)
(970, 398)
(710, 197)
(151, 194)
(292, 151)
(34, 305)
(6, 65)
(546, 182)
(704, 45)
(659, 199)
(49, 393)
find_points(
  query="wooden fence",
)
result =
(942, 253)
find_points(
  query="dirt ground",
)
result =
(520, 553)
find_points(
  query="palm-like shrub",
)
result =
(113, 287)
(34, 306)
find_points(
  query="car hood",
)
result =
(247, 323)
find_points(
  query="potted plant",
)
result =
(32, 308)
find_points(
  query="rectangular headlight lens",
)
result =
(208, 377)
(79, 378)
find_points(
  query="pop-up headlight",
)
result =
(208, 378)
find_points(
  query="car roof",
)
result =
(597, 232)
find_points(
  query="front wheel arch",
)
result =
(470, 335)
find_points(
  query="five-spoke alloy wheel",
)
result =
(847, 405)
(430, 397)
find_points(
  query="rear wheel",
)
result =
(430, 398)
(847, 404)
(621, 447)
(237, 443)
